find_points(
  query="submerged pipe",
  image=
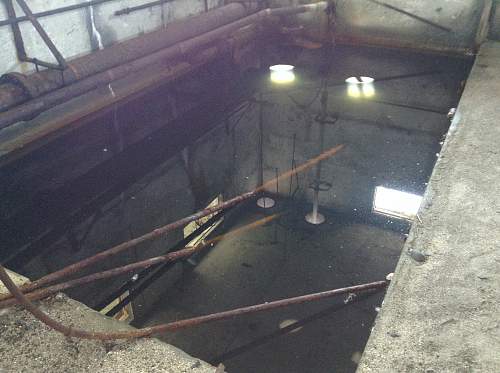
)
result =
(135, 288)
(147, 263)
(99, 257)
(36, 106)
(177, 325)
(37, 84)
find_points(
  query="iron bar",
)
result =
(290, 328)
(38, 63)
(45, 37)
(51, 12)
(177, 325)
(412, 15)
(131, 9)
(128, 286)
(16, 31)
(76, 267)
(167, 258)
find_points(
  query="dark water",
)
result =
(392, 131)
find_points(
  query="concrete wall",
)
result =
(81, 31)
(364, 22)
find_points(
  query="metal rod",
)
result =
(38, 62)
(16, 31)
(54, 11)
(45, 37)
(140, 7)
(167, 258)
(411, 15)
(290, 328)
(182, 324)
(76, 267)
(161, 268)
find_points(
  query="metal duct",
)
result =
(18, 88)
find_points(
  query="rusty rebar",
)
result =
(182, 324)
(78, 266)
(143, 264)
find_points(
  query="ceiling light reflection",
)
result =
(282, 74)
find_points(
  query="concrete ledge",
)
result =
(443, 315)
(27, 345)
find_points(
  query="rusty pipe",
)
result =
(177, 325)
(42, 82)
(147, 263)
(179, 50)
(78, 266)
(36, 106)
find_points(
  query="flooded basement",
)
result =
(387, 109)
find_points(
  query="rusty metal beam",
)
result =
(77, 267)
(167, 258)
(182, 324)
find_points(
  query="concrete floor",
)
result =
(29, 346)
(276, 261)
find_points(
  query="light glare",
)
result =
(362, 86)
(282, 74)
(396, 203)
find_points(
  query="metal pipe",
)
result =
(76, 267)
(292, 327)
(54, 11)
(46, 81)
(160, 270)
(167, 258)
(177, 325)
(38, 105)
(141, 7)
(34, 107)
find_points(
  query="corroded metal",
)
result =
(178, 50)
(151, 262)
(130, 50)
(85, 263)
(182, 324)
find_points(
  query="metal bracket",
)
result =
(18, 38)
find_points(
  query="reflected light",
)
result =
(368, 90)
(360, 87)
(353, 90)
(396, 203)
(282, 74)
(360, 80)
